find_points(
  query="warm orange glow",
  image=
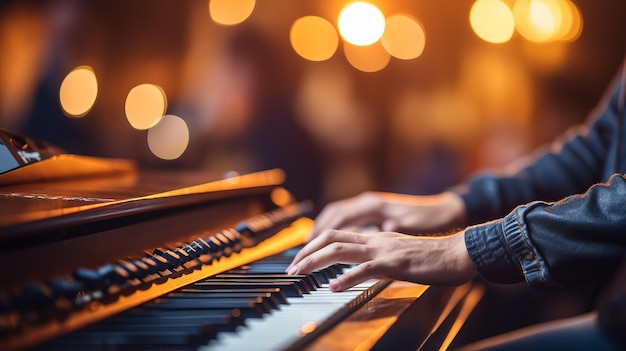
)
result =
(577, 23)
(547, 20)
(536, 20)
(281, 197)
(361, 23)
(307, 328)
(571, 22)
(314, 38)
(404, 37)
(230, 12)
(371, 58)
(492, 21)
(169, 138)
(145, 105)
(78, 91)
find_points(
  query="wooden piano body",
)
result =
(70, 247)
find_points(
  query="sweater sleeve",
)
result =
(578, 240)
(580, 158)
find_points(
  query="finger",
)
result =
(328, 237)
(338, 252)
(358, 211)
(364, 271)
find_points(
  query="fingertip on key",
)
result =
(334, 286)
(292, 270)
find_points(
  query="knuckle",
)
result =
(327, 235)
(331, 234)
(368, 266)
(336, 247)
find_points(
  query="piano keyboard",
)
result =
(213, 293)
(255, 305)
(225, 290)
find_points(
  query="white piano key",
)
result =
(286, 325)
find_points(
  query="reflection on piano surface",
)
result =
(128, 261)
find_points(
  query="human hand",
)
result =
(393, 213)
(426, 260)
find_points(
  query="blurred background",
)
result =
(396, 95)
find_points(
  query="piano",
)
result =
(99, 255)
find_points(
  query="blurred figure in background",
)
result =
(240, 107)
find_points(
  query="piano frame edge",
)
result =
(405, 316)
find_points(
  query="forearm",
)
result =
(573, 241)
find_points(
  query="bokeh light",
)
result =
(361, 23)
(535, 20)
(281, 196)
(169, 139)
(78, 91)
(314, 38)
(572, 22)
(145, 106)
(404, 37)
(547, 20)
(371, 58)
(230, 12)
(492, 21)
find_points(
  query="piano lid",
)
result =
(31, 208)
(44, 189)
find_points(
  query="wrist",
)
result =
(464, 264)
(451, 210)
(456, 208)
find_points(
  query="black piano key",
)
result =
(267, 298)
(190, 251)
(114, 273)
(223, 238)
(130, 340)
(173, 258)
(66, 287)
(224, 243)
(189, 328)
(216, 316)
(247, 307)
(132, 269)
(160, 262)
(301, 283)
(332, 271)
(183, 254)
(233, 236)
(242, 227)
(147, 264)
(197, 248)
(189, 323)
(91, 279)
(215, 246)
(202, 245)
(36, 296)
(308, 282)
(219, 320)
(272, 267)
(287, 288)
(275, 292)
